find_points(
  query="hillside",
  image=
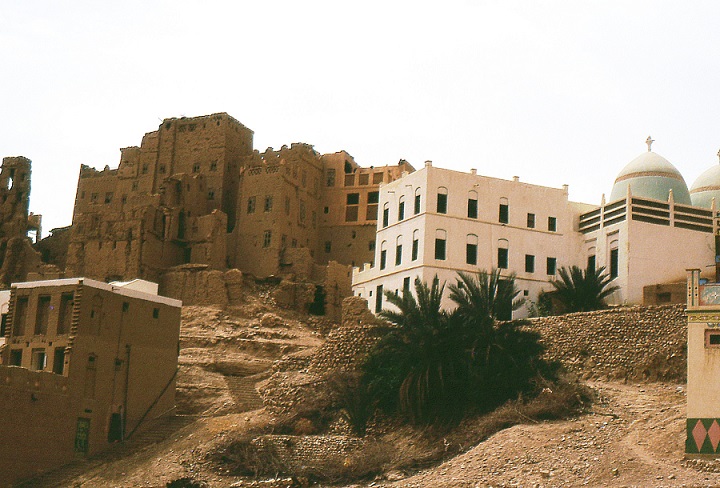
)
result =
(632, 436)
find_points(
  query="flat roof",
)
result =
(100, 286)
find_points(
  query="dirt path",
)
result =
(635, 437)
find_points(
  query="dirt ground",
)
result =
(634, 437)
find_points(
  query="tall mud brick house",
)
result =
(86, 364)
(195, 192)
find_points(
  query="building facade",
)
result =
(196, 192)
(85, 364)
(439, 222)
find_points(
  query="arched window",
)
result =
(591, 260)
(440, 244)
(386, 214)
(383, 254)
(471, 248)
(472, 204)
(401, 208)
(417, 201)
(504, 213)
(415, 244)
(398, 251)
(442, 200)
(614, 260)
(503, 257)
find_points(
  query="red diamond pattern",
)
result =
(714, 434)
(699, 432)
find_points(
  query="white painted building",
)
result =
(438, 222)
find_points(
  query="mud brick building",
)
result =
(195, 192)
(86, 364)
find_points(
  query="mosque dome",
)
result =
(651, 176)
(706, 187)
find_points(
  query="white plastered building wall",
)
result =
(539, 233)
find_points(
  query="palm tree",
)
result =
(421, 364)
(486, 296)
(580, 290)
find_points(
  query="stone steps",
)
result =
(243, 392)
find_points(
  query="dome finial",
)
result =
(649, 142)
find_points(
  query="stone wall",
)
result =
(633, 343)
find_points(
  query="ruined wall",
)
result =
(197, 285)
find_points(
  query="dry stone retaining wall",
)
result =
(633, 343)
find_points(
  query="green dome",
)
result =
(651, 176)
(706, 187)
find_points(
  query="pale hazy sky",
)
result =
(552, 91)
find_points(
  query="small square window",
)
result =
(353, 198)
(156, 313)
(712, 338)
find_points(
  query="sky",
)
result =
(555, 92)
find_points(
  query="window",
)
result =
(213, 166)
(712, 338)
(328, 246)
(268, 203)
(503, 259)
(94, 197)
(267, 237)
(196, 168)
(251, 205)
(134, 186)
(108, 197)
(442, 199)
(377, 178)
(325, 209)
(301, 212)
(20, 316)
(161, 169)
(504, 213)
(471, 248)
(415, 245)
(531, 221)
(156, 313)
(3, 325)
(440, 244)
(287, 206)
(386, 215)
(364, 179)
(529, 263)
(371, 245)
(16, 357)
(65, 315)
(59, 360)
(378, 298)
(591, 260)
(664, 297)
(406, 284)
(330, 177)
(383, 255)
(349, 179)
(416, 208)
(43, 314)
(398, 251)
(145, 168)
(37, 361)
(401, 208)
(351, 211)
(614, 263)
(211, 194)
(552, 224)
(472, 205)
(551, 266)
(372, 208)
